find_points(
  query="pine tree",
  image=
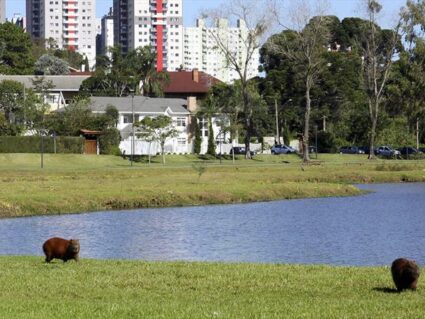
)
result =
(211, 141)
(198, 139)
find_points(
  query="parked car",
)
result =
(350, 150)
(408, 150)
(386, 151)
(365, 149)
(282, 149)
(240, 150)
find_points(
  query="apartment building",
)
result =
(158, 23)
(71, 23)
(200, 49)
(107, 33)
(2, 11)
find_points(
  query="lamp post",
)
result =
(417, 133)
(42, 133)
(315, 138)
(132, 127)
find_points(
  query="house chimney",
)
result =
(192, 104)
(195, 75)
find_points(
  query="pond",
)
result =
(372, 229)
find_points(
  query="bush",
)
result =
(32, 144)
(326, 142)
(109, 142)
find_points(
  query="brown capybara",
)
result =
(405, 273)
(61, 249)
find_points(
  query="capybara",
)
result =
(405, 273)
(61, 249)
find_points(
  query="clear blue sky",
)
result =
(192, 8)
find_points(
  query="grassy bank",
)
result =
(133, 289)
(76, 183)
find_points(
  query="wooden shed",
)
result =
(91, 144)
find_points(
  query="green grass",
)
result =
(134, 289)
(77, 183)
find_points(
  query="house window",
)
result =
(181, 121)
(181, 141)
(127, 118)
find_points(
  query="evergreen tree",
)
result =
(198, 138)
(211, 140)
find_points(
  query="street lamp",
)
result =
(132, 127)
(42, 133)
(315, 138)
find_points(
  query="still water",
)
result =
(372, 229)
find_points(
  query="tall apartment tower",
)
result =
(158, 23)
(107, 34)
(201, 52)
(71, 23)
(2, 11)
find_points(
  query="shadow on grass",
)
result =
(386, 290)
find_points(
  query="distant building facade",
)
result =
(200, 49)
(157, 23)
(2, 11)
(70, 23)
(107, 34)
(19, 20)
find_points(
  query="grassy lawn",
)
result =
(133, 289)
(77, 183)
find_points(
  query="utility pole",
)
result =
(132, 128)
(417, 133)
(277, 121)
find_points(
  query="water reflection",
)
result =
(368, 230)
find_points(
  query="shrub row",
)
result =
(32, 144)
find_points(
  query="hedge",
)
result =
(32, 144)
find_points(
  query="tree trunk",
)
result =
(374, 120)
(162, 152)
(149, 153)
(247, 122)
(306, 156)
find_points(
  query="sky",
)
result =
(192, 9)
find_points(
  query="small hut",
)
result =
(91, 144)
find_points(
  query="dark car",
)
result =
(282, 149)
(386, 151)
(350, 150)
(240, 150)
(408, 150)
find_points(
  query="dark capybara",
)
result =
(61, 249)
(405, 273)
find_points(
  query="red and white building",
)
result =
(158, 23)
(70, 23)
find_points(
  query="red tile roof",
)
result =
(185, 82)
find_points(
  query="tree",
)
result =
(15, 50)
(198, 138)
(51, 65)
(86, 65)
(209, 109)
(305, 46)
(72, 119)
(116, 76)
(112, 113)
(378, 53)
(211, 139)
(11, 99)
(141, 62)
(257, 18)
(157, 129)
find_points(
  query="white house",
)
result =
(141, 107)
